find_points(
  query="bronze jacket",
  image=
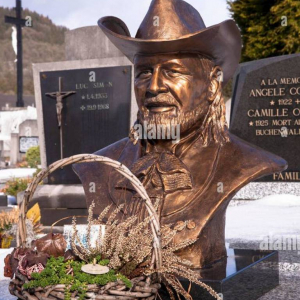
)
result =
(217, 173)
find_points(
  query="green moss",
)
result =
(126, 281)
(56, 273)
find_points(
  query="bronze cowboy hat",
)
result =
(180, 29)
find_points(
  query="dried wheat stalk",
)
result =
(9, 217)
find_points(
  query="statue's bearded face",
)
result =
(172, 89)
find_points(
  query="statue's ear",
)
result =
(216, 79)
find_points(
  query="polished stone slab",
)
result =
(245, 274)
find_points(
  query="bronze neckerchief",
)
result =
(161, 172)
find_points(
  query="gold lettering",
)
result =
(267, 92)
(98, 85)
(279, 176)
(252, 94)
(281, 122)
(252, 113)
(291, 176)
(295, 80)
(260, 132)
(296, 112)
(81, 86)
(268, 112)
(295, 91)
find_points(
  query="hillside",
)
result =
(44, 42)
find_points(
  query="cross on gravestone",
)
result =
(19, 23)
(96, 116)
(59, 96)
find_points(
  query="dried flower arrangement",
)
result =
(9, 220)
(129, 261)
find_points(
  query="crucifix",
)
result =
(19, 23)
(59, 96)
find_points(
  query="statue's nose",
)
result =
(156, 84)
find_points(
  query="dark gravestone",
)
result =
(243, 275)
(94, 116)
(265, 109)
(3, 200)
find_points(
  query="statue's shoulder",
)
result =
(252, 160)
(114, 150)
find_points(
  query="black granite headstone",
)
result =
(265, 109)
(3, 200)
(243, 275)
(96, 115)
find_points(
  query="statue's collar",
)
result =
(177, 148)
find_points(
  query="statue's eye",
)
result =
(144, 74)
(173, 73)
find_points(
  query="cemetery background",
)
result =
(18, 126)
(248, 223)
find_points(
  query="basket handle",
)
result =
(81, 158)
(65, 218)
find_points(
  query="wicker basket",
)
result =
(143, 287)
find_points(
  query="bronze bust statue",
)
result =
(180, 68)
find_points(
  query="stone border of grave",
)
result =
(258, 190)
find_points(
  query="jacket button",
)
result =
(180, 225)
(191, 225)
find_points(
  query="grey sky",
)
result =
(78, 13)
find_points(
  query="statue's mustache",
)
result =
(161, 100)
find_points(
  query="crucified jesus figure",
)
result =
(59, 96)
